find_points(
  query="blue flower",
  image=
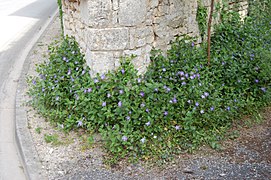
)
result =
(142, 93)
(197, 104)
(263, 89)
(212, 108)
(181, 73)
(69, 72)
(143, 140)
(142, 105)
(122, 71)
(119, 103)
(83, 72)
(128, 118)
(256, 80)
(156, 89)
(96, 80)
(148, 123)
(228, 108)
(121, 91)
(177, 127)
(206, 94)
(165, 113)
(108, 95)
(192, 44)
(79, 124)
(164, 69)
(104, 104)
(89, 90)
(147, 110)
(102, 76)
(139, 80)
(124, 138)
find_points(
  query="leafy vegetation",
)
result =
(178, 105)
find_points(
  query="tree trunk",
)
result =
(209, 33)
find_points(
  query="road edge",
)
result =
(27, 152)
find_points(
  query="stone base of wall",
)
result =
(109, 29)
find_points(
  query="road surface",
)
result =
(21, 24)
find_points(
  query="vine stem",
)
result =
(209, 33)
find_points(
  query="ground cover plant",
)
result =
(177, 105)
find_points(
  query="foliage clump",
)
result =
(179, 104)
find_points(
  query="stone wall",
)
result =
(109, 29)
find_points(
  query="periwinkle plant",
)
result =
(178, 104)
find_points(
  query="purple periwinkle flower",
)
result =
(192, 44)
(121, 91)
(57, 98)
(108, 95)
(139, 80)
(119, 103)
(228, 108)
(165, 113)
(102, 76)
(83, 72)
(34, 82)
(181, 73)
(104, 104)
(124, 138)
(122, 71)
(182, 78)
(223, 63)
(42, 89)
(177, 127)
(263, 89)
(256, 80)
(89, 90)
(174, 100)
(142, 94)
(164, 69)
(79, 124)
(96, 80)
(156, 89)
(183, 83)
(186, 75)
(212, 108)
(85, 91)
(128, 118)
(64, 58)
(143, 140)
(147, 110)
(142, 105)
(148, 123)
(202, 111)
(206, 94)
(197, 104)
(189, 101)
(202, 96)
(69, 72)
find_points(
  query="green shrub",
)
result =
(179, 104)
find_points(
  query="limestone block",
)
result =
(153, 3)
(99, 13)
(100, 62)
(131, 12)
(108, 39)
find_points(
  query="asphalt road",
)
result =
(21, 23)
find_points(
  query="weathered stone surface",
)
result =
(109, 29)
(131, 12)
(108, 39)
